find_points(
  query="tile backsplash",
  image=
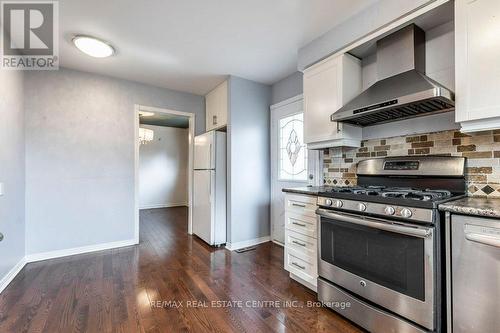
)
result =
(482, 150)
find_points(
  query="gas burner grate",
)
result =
(394, 192)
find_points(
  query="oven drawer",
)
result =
(304, 246)
(301, 204)
(301, 223)
(371, 318)
(302, 268)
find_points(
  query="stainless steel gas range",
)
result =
(381, 242)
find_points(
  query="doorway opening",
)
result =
(163, 160)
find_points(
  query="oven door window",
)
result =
(393, 260)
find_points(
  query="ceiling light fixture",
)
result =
(145, 135)
(93, 47)
(146, 114)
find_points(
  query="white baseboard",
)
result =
(78, 250)
(304, 282)
(4, 282)
(247, 243)
(167, 205)
(278, 243)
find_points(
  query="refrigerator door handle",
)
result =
(210, 188)
(210, 157)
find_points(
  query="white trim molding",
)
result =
(166, 205)
(287, 101)
(7, 279)
(477, 125)
(78, 250)
(378, 33)
(247, 243)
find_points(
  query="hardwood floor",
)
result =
(146, 288)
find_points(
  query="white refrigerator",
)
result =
(209, 187)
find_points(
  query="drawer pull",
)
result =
(297, 265)
(299, 224)
(298, 243)
(298, 205)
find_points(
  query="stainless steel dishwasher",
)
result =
(475, 253)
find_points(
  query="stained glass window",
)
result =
(292, 150)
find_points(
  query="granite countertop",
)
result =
(473, 206)
(307, 190)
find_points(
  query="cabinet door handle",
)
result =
(299, 243)
(299, 266)
(299, 224)
(298, 205)
(214, 120)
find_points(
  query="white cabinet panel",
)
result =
(301, 204)
(210, 109)
(477, 50)
(301, 223)
(328, 85)
(305, 247)
(303, 269)
(301, 243)
(216, 103)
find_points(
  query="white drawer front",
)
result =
(303, 246)
(301, 204)
(302, 224)
(299, 267)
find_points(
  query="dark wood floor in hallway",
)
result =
(146, 288)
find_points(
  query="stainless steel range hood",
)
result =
(402, 91)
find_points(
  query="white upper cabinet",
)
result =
(477, 57)
(216, 103)
(328, 85)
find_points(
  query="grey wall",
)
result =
(248, 160)
(12, 222)
(80, 155)
(286, 88)
(380, 13)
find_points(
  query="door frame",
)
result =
(274, 165)
(191, 116)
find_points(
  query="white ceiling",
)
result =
(191, 45)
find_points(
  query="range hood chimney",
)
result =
(402, 90)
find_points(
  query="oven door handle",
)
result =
(482, 239)
(399, 229)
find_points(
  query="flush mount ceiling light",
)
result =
(93, 47)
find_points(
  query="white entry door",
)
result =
(292, 165)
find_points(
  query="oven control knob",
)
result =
(328, 202)
(338, 203)
(389, 210)
(406, 213)
(361, 207)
